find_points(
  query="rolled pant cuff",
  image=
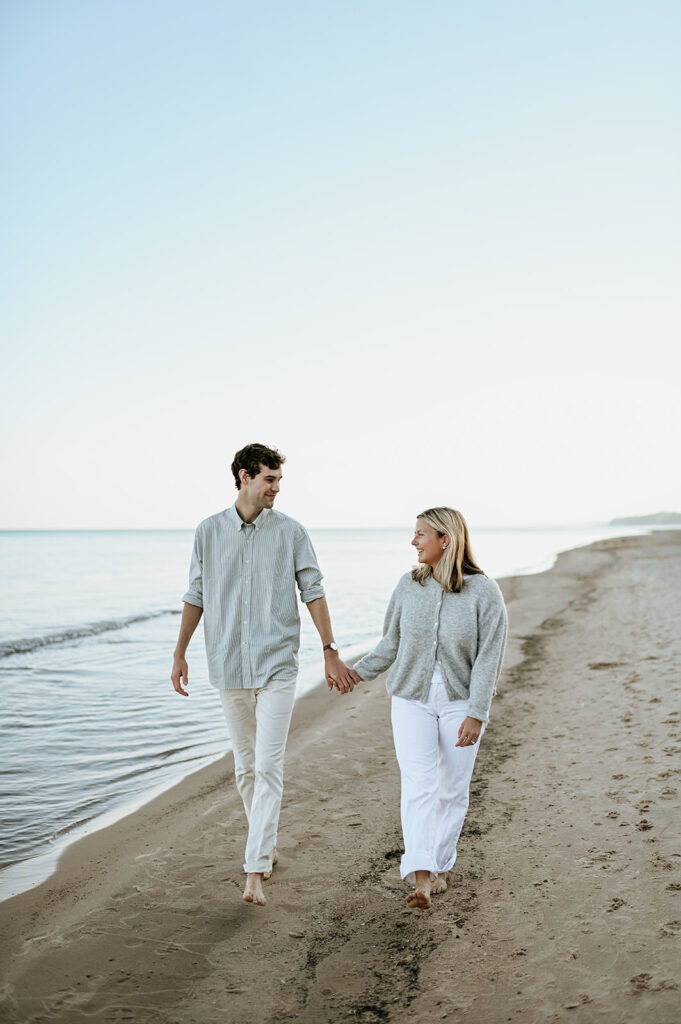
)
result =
(260, 867)
(448, 866)
(421, 860)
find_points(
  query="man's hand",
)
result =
(191, 615)
(180, 674)
(338, 674)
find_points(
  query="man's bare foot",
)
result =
(419, 899)
(275, 860)
(253, 892)
(439, 885)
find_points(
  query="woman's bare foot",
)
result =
(439, 885)
(419, 899)
(253, 892)
(275, 860)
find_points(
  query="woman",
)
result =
(444, 636)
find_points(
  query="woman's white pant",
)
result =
(258, 721)
(436, 775)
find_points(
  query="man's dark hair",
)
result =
(252, 457)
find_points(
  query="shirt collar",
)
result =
(238, 523)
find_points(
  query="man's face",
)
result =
(263, 488)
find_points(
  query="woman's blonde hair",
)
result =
(457, 557)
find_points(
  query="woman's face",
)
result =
(428, 543)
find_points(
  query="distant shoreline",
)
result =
(655, 519)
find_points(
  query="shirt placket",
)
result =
(245, 598)
(436, 624)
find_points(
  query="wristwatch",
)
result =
(333, 646)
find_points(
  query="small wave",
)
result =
(32, 643)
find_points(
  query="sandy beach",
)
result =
(564, 905)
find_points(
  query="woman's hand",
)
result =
(469, 732)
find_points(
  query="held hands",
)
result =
(469, 732)
(338, 674)
(180, 674)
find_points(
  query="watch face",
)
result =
(333, 646)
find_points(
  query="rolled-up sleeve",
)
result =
(308, 574)
(195, 593)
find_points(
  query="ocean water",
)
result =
(91, 725)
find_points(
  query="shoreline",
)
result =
(32, 871)
(564, 900)
(27, 874)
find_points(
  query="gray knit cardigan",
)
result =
(466, 632)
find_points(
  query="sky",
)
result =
(428, 250)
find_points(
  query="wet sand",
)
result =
(564, 904)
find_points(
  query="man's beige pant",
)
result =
(258, 721)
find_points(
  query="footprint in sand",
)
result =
(582, 1000)
(644, 983)
(670, 929)
(666, 865)
(615, 904)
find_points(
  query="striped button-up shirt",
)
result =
(244, 576)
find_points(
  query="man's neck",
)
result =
(248, 512)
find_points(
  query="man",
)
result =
(245, 566)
